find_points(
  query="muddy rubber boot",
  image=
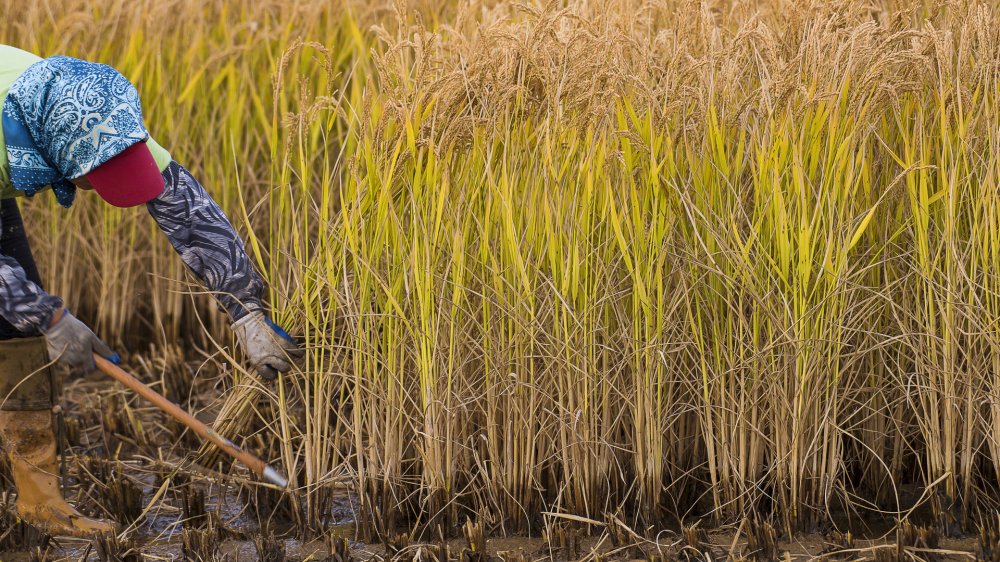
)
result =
(29, 388)
(30, 442)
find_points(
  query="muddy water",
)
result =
(236, 551)
(158, 536)
(720, 546)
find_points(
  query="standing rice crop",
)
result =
(654, 260)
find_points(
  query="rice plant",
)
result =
(657, 259)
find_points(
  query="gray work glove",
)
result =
(269, 347)
(73, 344)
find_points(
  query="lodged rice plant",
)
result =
(644, 260)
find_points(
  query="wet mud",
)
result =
(159, 497)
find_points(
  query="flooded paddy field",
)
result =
(573, 280)
(129, 462)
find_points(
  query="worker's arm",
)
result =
(23, 303)
(32, 311)
(200, 232)
(202, 235)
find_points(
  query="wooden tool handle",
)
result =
(173, 410)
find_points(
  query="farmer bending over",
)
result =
(68, 125)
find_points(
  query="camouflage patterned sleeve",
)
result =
(202, 235)
(23, 303)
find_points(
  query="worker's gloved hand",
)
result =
(72, 344)
(269, 348)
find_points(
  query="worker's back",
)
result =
(13, 63)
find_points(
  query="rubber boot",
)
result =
(30, 442)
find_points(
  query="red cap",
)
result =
(130, 178)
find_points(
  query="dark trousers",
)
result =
(14, 244)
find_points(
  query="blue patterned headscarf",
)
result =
(64, 117)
